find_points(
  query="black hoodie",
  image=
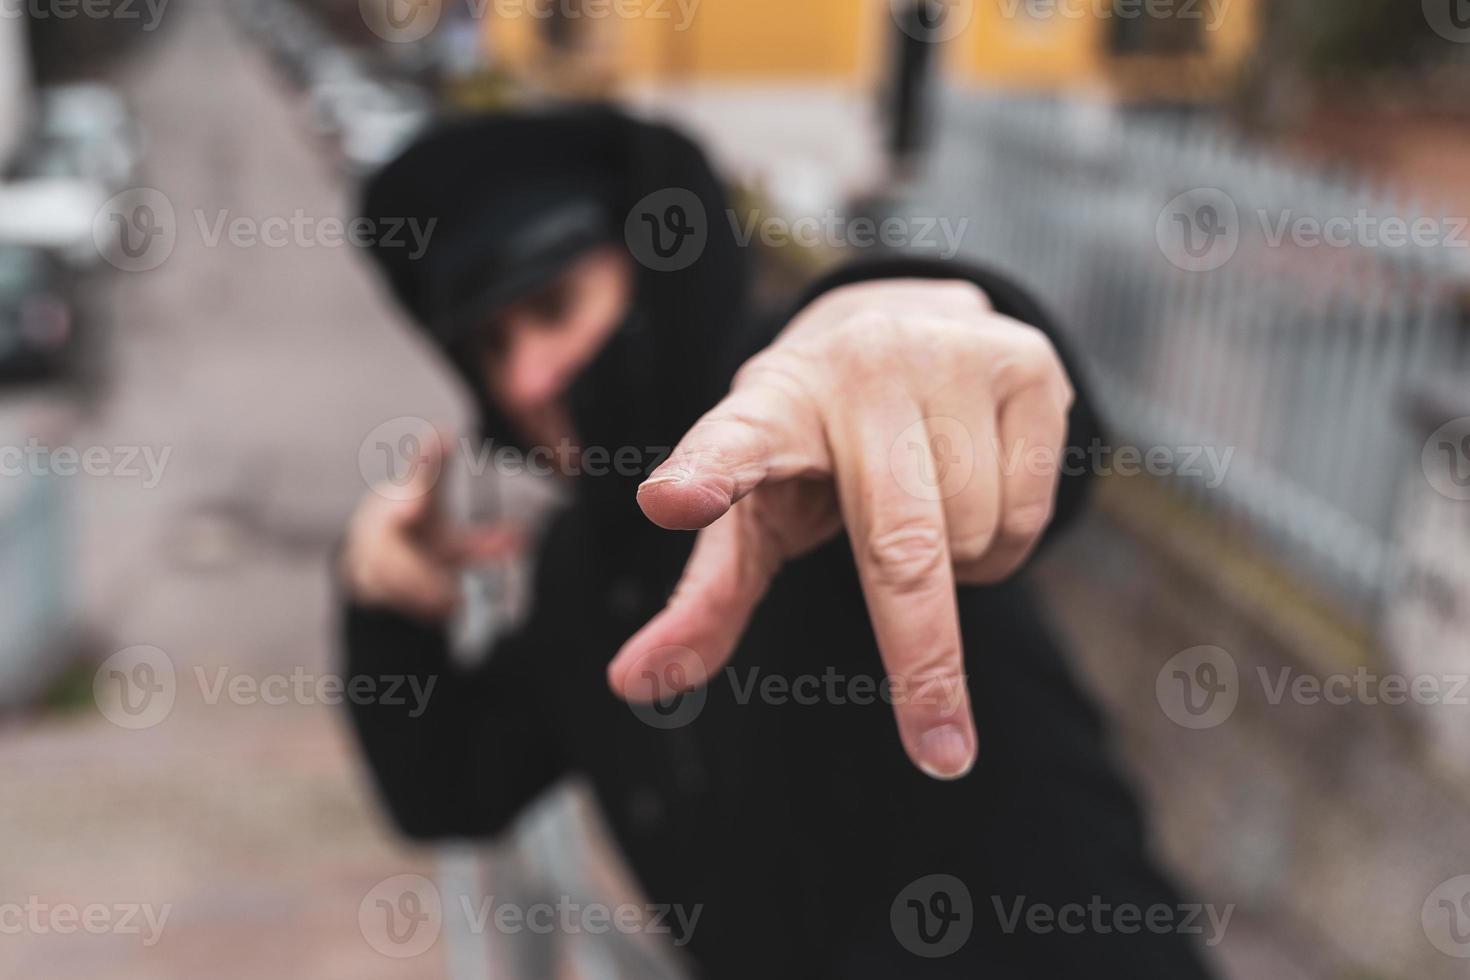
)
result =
(792, 819)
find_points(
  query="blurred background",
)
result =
(1251, 215)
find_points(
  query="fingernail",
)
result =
(945, 753)
(667, 477)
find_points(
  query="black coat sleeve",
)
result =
(1083, 431)
(462, 759)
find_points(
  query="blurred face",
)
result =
(538, 345)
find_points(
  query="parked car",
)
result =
(371, 121)
(83, 131)
(38, 322)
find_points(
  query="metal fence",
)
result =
(1227, 299)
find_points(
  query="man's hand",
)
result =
(908, 412)
(401, 553)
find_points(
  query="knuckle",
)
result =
(963, 291)
(860, 366)
(1029, 359)
(907, 557)
(720, 439)
(935, 682)
(1066, 394)
(1026, 521)
(772, 367)
(972, 546)
(866, 333)
(852, 295)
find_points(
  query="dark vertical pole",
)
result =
(909, 84)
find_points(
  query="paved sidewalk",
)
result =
(260, 370)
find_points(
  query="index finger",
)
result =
(901, 547)
(758, 432)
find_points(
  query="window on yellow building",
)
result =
(1172, 35)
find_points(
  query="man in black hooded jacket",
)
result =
(868, 483)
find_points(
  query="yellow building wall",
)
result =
(722, 40)
(847, 40)
(777, 39)
(1069, 48)
(1006, 49)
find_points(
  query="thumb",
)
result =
(417, 499)
(692, 638)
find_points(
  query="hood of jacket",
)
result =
(512, 198)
